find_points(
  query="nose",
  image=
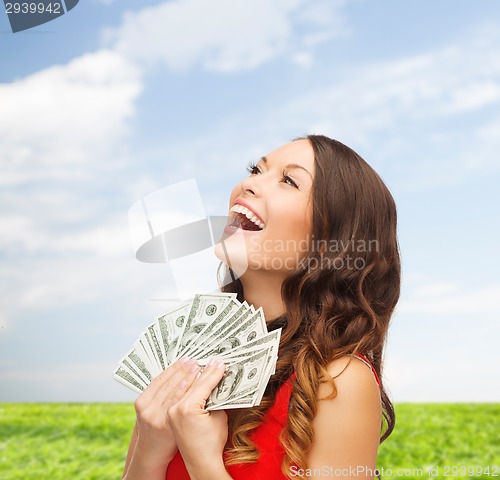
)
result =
(248, 186)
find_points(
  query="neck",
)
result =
(263, 289)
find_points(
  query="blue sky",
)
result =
(114, 100)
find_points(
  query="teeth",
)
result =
(250, 215)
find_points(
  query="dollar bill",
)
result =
(240, 333)
(136, 360)
(204, 311)
(243, 402)
(130, 366)
(270, 340)
(207, 326)
(230, 313)
(223, 329)
(240, 379)
(155, 345)
(127, 379)
(141, 346)
(169, 328)
(264, 381)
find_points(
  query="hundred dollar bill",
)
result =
(222, 329)
(240, 379)
(134, 370)
(204, 310)
(141, 346)
(209, 325)
(231, 358)
(139, 365)
(271, 346)
(241, 332)
(151, 351)
(271, 340)
(127, 379)
(269, 370)
(255, 397)
(169, 328)
(127, 368)
(155, 346)
(226, 316)
(246, 401)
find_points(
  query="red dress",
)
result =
(266, 439)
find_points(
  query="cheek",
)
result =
(234, 194)
(296, 223)
(301, 231)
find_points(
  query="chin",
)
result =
(233, 254)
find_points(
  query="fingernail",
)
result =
(190, 361)
(198, 375)
(194, 368)
(184, 359)
(221, 365)
(182, 385)
(213, 362)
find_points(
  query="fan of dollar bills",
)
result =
(212, 325)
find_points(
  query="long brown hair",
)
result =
(338, 301)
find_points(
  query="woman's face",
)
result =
(271, 212)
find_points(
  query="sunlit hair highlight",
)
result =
(332, 310)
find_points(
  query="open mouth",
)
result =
(245, 219)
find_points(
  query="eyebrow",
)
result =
(290, 165)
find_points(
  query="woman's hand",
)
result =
(201, 435)
(156, 445)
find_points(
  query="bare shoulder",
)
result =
(347, 427)
(353, 378)
(357, 391)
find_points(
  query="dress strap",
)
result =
(361, 357)
(368, 364)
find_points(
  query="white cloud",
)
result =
(303, 59)
(473, 96)
(61, 130)
(59, 121)
(442, 333)
(21, 233)
(68, 122)
(58, 282)
(403, 112)
(65, 382)
(435, 289)
(435, 373)
(224, 35)
(449, 299)
(428, 86)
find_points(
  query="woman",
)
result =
(321, 258)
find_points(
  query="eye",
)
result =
(253, 169)
(289, 181)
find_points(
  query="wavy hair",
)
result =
(338, 301)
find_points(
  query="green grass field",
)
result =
(89, 441)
